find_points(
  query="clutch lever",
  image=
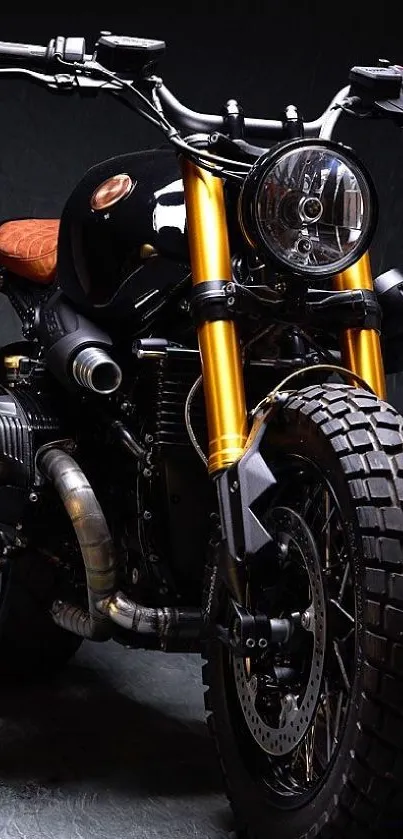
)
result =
(64, 81)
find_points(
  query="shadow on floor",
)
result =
(130, 724)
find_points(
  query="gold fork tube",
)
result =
(220, 350)
(361, 348)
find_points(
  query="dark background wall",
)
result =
(264, 53)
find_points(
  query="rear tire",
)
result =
(31, 645)
(356, 443)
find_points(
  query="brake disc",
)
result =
(296, 710)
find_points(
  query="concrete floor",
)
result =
(115, 748)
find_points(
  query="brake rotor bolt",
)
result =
(306, 620)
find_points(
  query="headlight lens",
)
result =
(311, 205)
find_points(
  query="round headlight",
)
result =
(310, 205)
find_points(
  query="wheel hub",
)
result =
(291, 710)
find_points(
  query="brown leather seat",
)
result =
(28, 247)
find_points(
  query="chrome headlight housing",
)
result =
(310, 205)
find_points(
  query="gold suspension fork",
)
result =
(220, 350)
(361, 348)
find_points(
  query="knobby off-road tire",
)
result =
(31, 645)
(356, 443)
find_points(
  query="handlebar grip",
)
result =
(26, 53)
(30, 55)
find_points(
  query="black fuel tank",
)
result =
(123, 242)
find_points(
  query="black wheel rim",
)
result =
(291, 728)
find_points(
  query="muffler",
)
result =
(94, 369)
(76, 350)
(95, 543)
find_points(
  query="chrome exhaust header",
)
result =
(95, 542)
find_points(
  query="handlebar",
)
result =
(193, 122)
(73, 50)
(32, 55)
(109, 68)
(28, 53)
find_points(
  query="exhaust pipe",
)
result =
(95, 543)
(164, 623)
(94, 369)
(168, 625)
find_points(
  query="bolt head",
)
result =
(33, 497)
(306, 620)
(250, 643)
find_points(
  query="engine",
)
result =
(28, 420)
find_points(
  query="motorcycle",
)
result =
(195, 450)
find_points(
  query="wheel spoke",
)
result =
(341, 665)
(349, 634)
(342, 610)
(338, 720)
(311, 500)
(328, 514)
(328, 721)
(309, 749)
(344, 583)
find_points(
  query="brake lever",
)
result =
(23, 71)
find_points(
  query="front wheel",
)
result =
(310, 733)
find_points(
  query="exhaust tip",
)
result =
(95, 370)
